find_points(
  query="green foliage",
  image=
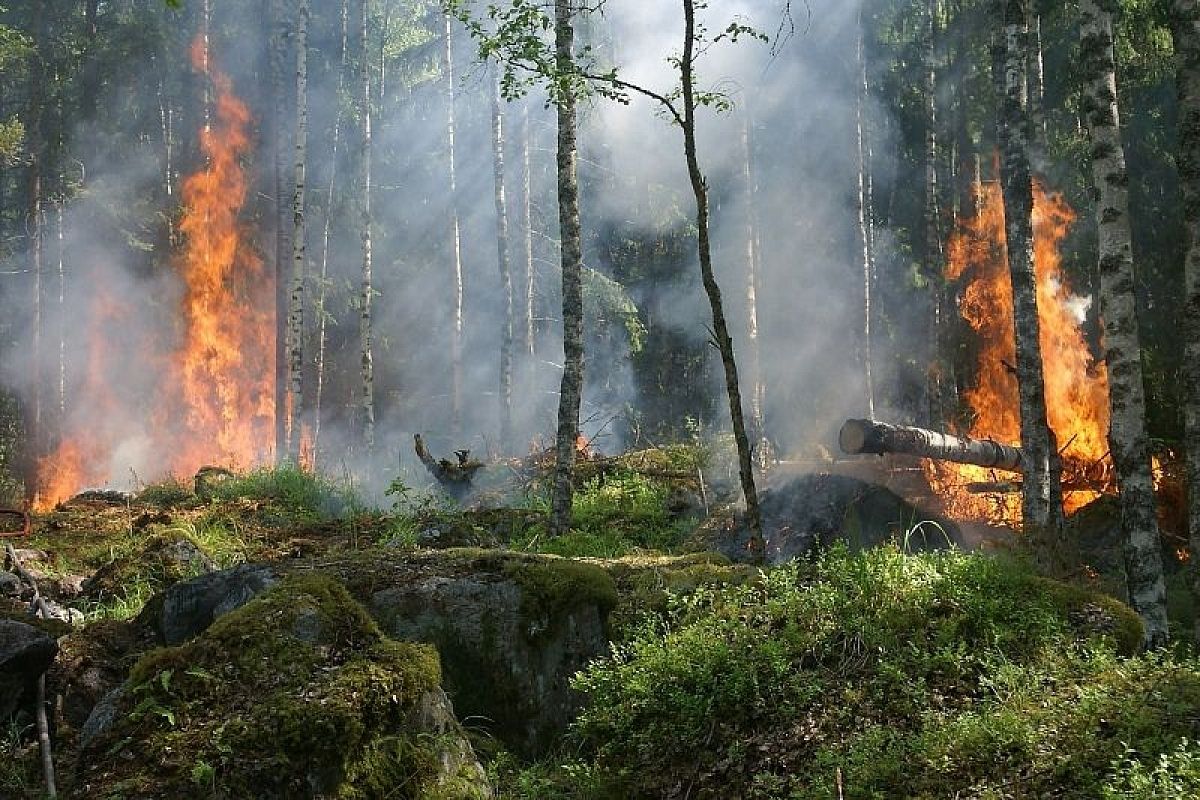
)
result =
(290, 490)
(614, 514)
(1175, 776)
(605, 301)
(917, 676)
(169, 491)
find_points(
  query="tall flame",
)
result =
(222, 378)
(213, 398)
(1076, 385)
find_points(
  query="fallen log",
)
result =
(877, 438)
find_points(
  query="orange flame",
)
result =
(1076, 385)
(222, 372)
(214, 397)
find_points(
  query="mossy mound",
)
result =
(296, 694)
(164, 559)
(650, 584)
(511, 630)
(925, 676)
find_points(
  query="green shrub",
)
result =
(1175, 776)
(932, 676)
(291, 491)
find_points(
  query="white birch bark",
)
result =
(299, 228)
(1118, 309)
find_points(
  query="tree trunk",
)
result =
(295, 407)
(753, 285)
(527, 306)
(282, 220)
(860, 436)
(864, 236)
(323, 289)
(61, 328)
(1041, 501)
(505, 265)
(1122, 343)
(366, 349)
(456, 340)
(571, 391)
(35, 228)
(1186, 30)
(933, 236)
(712, 289)
(1037, 90)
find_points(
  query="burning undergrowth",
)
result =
(1076, 382)
(209, 399)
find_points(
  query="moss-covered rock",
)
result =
(296, 694)
(511, 630)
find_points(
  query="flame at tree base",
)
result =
(1076, 385)
(213, 396)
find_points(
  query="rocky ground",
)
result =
(264, 636)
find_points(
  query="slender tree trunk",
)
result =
(932, 220)
(712, 289)
(323, 288)
(1037, 90)
(282, 221)
(61, 327)
(527, 305)
(753, 285)
(1187, 47)
(296, 296)
(1122, 345)
(571, 392)
(366, 348)
(456, 335)
(863, 212)
(35, 229)
(1039, 504)
(506, 283)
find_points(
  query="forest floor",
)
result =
(858, 669)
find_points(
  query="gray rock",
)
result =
(25, 654)
(102, 718)
(818, 510)
(506, 670)
(188, 608)
(10, 585)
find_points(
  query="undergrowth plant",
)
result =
(291, 490)
(936, 675)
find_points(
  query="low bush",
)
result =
(931, 676)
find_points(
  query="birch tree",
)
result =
(1122, 344)
(1186, 31)
(281, 218)
(367, 289)
(296, 295)
(1040, 508)
(456, 334)
(504, 262)
(514, 37)
(322, 315)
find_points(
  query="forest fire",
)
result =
(213, 398)
(1076, 385)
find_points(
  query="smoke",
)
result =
(120, 311)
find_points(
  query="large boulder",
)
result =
(511, 630)
(816, 510)
(26, 652)
(189, 608)
(296, 694)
